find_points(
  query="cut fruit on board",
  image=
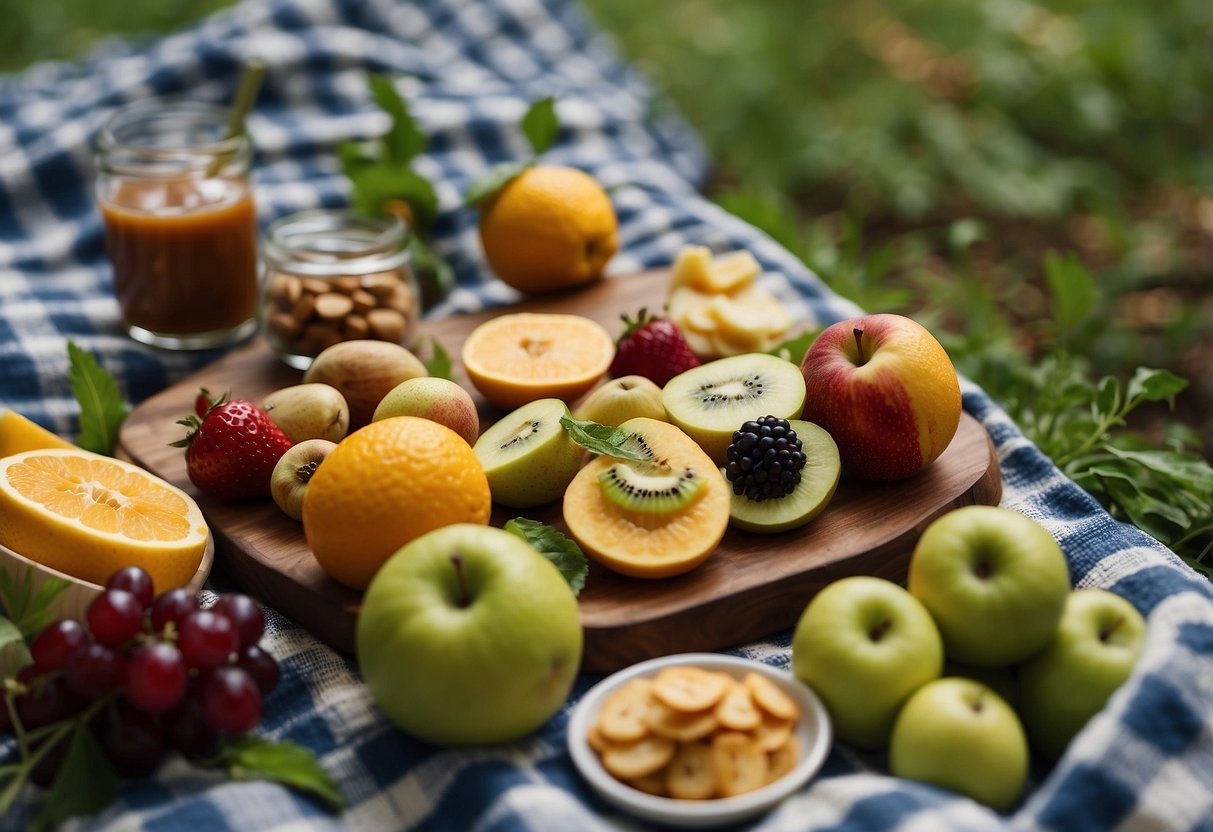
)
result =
(752, 586)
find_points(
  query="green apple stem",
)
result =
(979, 702)
(877, 632)
(863, 359)
(464, 600)
(1106, 632)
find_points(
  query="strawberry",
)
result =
(231, 448)
(652, 347)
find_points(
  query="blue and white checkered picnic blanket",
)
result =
(469, 70)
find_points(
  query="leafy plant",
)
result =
(540, 126)
(1075, 416)
(384, 182)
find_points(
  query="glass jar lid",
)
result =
(332, 243)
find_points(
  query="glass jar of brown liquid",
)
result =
(333, 276)
(180, 226)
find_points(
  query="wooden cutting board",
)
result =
(752, 586)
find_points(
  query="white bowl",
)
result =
(73, 602)
(814, 733)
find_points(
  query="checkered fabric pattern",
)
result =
(469, 70)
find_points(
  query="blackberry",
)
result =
(765, 459)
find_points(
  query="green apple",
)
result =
(527, 455)
(620, 399)
(864, 645)
(995, 582)
(1097, 643)
(999, 679)
(436, 399)
(468, 636)
(961, 735)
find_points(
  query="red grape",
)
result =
(190, 732)
(245, 614)
(261, 666)
(94, 670)
(115, 617)
(52, 647)
(230, 700)
(207, 639)
(135, 581)
(156, 677)
(47, 700)
(131, 739)
(173, 605)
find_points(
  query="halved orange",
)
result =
(518, 358)
(89, 515)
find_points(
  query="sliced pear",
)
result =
(688, 308)
(702, 345)
(692, 266)
(731, 272)
(744, 326)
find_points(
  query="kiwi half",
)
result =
(818, 480)
(644, 544)
(709, 402)
(654, 491)
(527, 455)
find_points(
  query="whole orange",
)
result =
(548, 229)
(382, 486)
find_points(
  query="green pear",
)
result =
(309, 411)
(436, 399)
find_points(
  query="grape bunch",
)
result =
(149, 673)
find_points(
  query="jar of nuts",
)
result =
(335, 276)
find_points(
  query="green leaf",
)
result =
(1155, 386)
(556, 547)
(439, 365)
(603, 439)
(1189, 469)
(1073, 289)
(494, 179)
(28, 609)
(1107, 399)
(540, 124)
(355, 156)
(794, 349)
(405, 139)
(14, 655)
(102, 409)
(435, 275)
(376, 185)
(257, 758)
(85, 784)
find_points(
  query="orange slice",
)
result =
(645, 544)
(89, 515)
(516, 359)
(18, 434)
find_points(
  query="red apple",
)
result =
(886, 391)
